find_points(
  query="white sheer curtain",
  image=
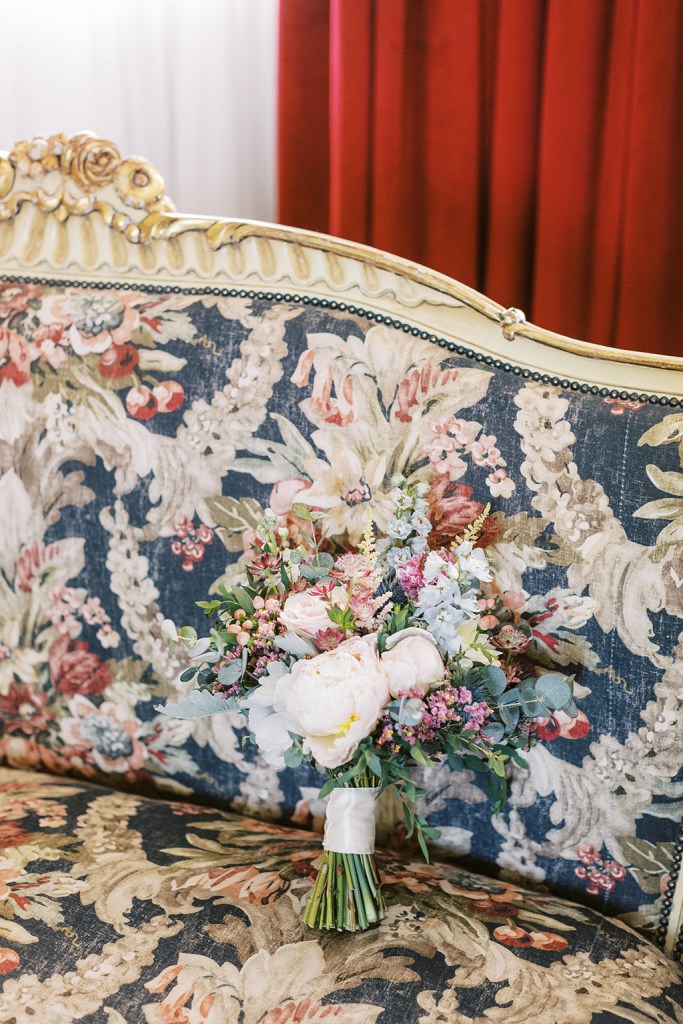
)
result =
(189, 84)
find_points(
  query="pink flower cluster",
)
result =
(357, 577)
(256, 632)
(410, 576)
(191, 542)
(351, 567)
(442, 708)
(601, 873)
(63, 610)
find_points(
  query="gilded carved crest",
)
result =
(73, 176)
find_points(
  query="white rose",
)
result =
(337, 697)
(270, 721)
(306, 613)
(412, 660)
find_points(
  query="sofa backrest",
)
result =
(165, 378)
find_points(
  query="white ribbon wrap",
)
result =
(350, 820)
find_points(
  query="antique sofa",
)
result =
(162, 379)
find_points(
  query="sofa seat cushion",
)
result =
(119, 909)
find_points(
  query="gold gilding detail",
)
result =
(6, 176)
(67, 177)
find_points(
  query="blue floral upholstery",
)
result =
(142, 432)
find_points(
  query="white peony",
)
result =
(270, 721)
(412, 660)
(337, 698)
(306, 613)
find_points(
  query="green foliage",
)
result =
(341, 617)
(302, 511)
(230, 673)
(209, 607)
(554, 691)
(395, 622)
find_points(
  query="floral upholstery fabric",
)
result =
(142, 431)
(169, 913)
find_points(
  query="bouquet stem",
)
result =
(347, 894)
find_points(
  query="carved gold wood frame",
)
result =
(76, 207)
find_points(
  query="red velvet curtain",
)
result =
(530, 148)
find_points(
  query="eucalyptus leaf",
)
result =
(553, 689)
(533, 707)
(509, 707)
(169, 630)
(494, 731)
(218, 641)
(293, 757)
(198, 704)
(230, 673)
(313, 572)
(407, 712)
(170, 634)
(495, 680)
(201, 647)
(295, 645)
(324, 560)
(210, 658)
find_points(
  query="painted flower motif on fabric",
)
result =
(110, 342)
(75, 669)
(104, 735)
(54, 683)
(191, 542)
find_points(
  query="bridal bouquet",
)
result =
(368, 662)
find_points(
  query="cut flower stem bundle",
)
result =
(347, 894)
